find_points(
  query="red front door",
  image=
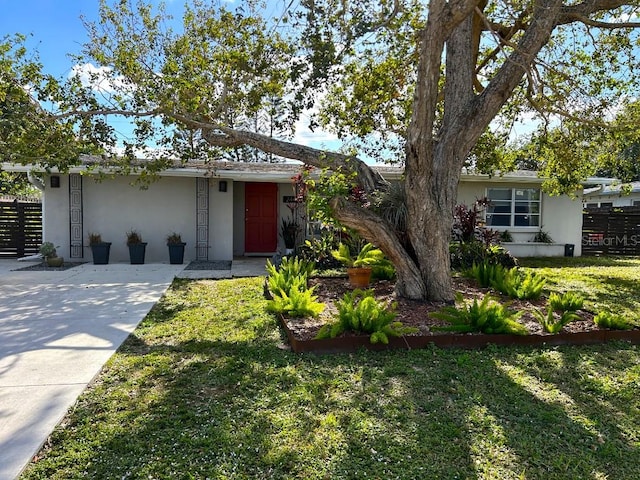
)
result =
(261, 217)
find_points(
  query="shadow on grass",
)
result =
(190, 406)
(576, 262)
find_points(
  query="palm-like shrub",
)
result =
(552, 322)
(358, 311)
(291, 271)
(368, 256)
(567, 302)
(516, 284)
(611, 320)
(485, 273)
(289, 286)
(486, 316)
(296, 303)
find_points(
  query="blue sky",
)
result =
(55, 29)
(54, 25)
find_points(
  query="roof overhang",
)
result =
(283, 172)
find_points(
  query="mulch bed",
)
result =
(43, 267)
(301, 332)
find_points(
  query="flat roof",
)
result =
(283, 171)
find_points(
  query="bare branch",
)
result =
(105, 111)
(594, 23)
(581, 12)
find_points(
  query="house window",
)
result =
(606, 204)
(513, 207)
(636, 203)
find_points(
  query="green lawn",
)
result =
(204, 389)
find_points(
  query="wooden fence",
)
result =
(611, 231)
(20, 228)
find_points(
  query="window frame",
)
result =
(512, 214)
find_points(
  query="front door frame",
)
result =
(261, 218)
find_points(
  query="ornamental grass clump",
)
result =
(486, 316)
(358, 311)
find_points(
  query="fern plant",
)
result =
(485, 273)
(293, 273)
(296, 303)
(552, 322)
(368, 256)
(358, 311)
(486, 316)
(291, 267)
(516, 284)
(611, 320)
(567, 302)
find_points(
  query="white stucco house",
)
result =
(612, 196)
(237, 209)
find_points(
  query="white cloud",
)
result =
(100, 79)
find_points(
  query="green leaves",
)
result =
(516, 284)
(568, 301)
(288, 284)
(605, 319)
(486, 316)
(358, 311)
(509, 281)
(368, 256)
(296, 303)
(552, 322)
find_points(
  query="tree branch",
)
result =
(581, 12)
(368, 179)
(595, 23)
(105, 111)
(373, 228)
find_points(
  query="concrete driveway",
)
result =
(57, 329)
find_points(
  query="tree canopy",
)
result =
(421, 84)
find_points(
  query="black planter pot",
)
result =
(136, 253)
(100, 252)
(176, 253)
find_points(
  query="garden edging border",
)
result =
(349, 344)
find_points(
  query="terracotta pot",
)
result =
(359, 277)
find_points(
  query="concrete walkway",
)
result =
(57, 329)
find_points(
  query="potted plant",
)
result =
(99, 249)
(48, 252)
(176, 248)
(289, 232)
(136, 246)
(359, 267)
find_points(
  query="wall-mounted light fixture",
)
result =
(54, 181)
(222, 186)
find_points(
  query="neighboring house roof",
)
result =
(272, 172)
(612, 190)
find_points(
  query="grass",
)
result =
(204, 389)
(609, 283)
